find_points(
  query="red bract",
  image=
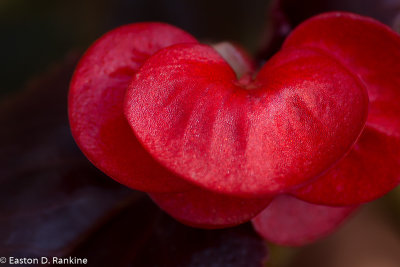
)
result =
(95, 105)
(371, 52)
(217, 132)
(291, 222)
(205, 209)
(212, 142)
(100, 129)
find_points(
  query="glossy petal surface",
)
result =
(300, 115)
(291, 222)
(96, 105)
(205, 209)
(371, 52)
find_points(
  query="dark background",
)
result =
(35, 34)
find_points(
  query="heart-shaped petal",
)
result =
(371, 52)
(288, 221)
(205, 209)
(299, 116)
(96, 105)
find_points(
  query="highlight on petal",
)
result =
(96, 105)
(299, 116)
(371, 52)
(237, 57)
(288, 221)
(205, 209)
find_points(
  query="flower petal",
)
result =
(301, 114)
(96, 105)
(288, 221)
(371, 51)
(205, 209)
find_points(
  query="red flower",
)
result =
(212, 145)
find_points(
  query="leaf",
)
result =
(148, 237)
(51, 197)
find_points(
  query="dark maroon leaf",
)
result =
(53, 202)
(50, 195)
(148, 237)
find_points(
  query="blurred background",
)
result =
(54, 202)
(38, 33)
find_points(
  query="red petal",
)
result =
(300, 115)
(371, 169)
(204, 209)
(291, 222)
(96, 105)
(371, 51)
